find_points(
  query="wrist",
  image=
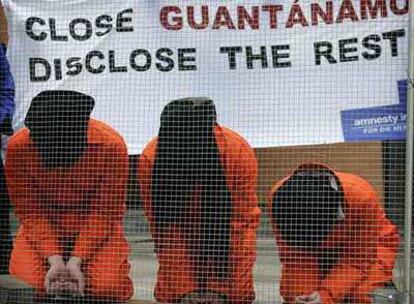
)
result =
(55, 260)
(326, 296)
(73, 260)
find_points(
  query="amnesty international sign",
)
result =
(280, 72)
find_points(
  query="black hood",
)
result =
(58, 125)
(307, 206)
(187, 157)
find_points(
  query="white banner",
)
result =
(280, 72)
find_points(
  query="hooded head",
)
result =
(188, 157)
(58, 125)
(307, 206)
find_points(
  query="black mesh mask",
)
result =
(307, 206)
(58, 125)
(187, 159)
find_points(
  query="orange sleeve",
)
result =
(26, 201)
(359, 251)
(108, 206)
(300, 275)
(145, 166)
(245, 202)
(300, 270)
(242, 174)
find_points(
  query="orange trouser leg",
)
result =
(175, 276)
(107, 274)
(378, 275)
(27, 265)
(381, 272)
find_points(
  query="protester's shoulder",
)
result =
(20, 139)
(234, 142)
(101, 133)
(233, 138)
(150, 149)
(358, 191)
(355, 183)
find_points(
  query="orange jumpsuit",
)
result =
(176, 276)
(366, 240)
(82, 205)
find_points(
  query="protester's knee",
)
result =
(28, 267)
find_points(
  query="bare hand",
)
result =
(56, 276)
(73, 267)
(313, 298)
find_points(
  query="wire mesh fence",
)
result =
(204, 151)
